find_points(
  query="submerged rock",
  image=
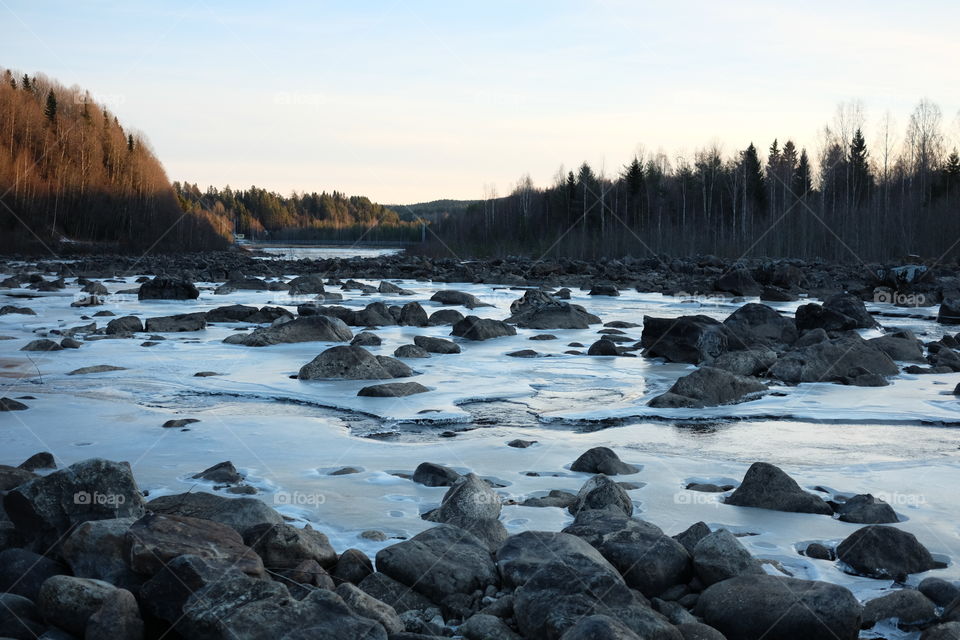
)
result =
(309, 329)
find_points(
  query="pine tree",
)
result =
(10, 79)
(50, 111)
(754, 182)
(802, 180)
(130, 142)
(951, 172)
(860, 175)
(25, 83)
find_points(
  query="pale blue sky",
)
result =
(407, 101)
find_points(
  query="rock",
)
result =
(650, 561)
(164, 595)
(375, 314)
(311, 284)
(9, 404)
(309, 329)
(435, 475)
(222, 472)
(692, 535)
(767, 487)
(720, 556)
(603, 347)
(948, 631)
(866, 509)
(691, 339)
(852, 307)
(909, 607)
(19, 618)
(178, 423)
(125, 324)
(517, 443)
(410, 351)
(42, 460)
(445, 316)
(23, 572)
(708, 386)
(949, 311)
(237, 513)
(777, 294)
(366, 339)
(156, 539)
(481, 626)
(452, 297)
(283, 546)
(353, 363)
(70, 343)
(556, 598)
(762, 606)
(352, 566)
(599, 627)
(46, 508)
(523, 554)
(440, 561)
(413, 315)
(878, 551)
(841, 359)
(168, 289)
(12, 477)
(436, 345)
(598, 289)
(365, 605)
(523, 353)
(813, 316)
(600, 492)
(818, 551)
(231, 313)
(399, 596)
(939, 591)
(759, 325)
(540, 310)
(97, 549)
(68, 602)
(474, 328)
(11, 309)
(750, 362)
(738, 282)
(602, 460)
(181, 322)
(901, 346)
(393, 390)
(100, 368)
(118, 618)
(470, 497)
(41, 345)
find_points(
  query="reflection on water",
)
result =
(324, 252)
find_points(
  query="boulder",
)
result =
(237, 513)
(99, 368)
(398, 595)
(23, 572)
(813, 316)
(720, 556)
(908, 607)
(949, 311)
(482, 626)
(739, 282)
(413, 315)
(523, 554)
(181, 322)
(168, 289)
(310, 284)
(436, 345)
(410, 351)
(594, 526)
(601, 289)
(540, 310)
(434, 475)
(472, 505)
(650, 561)
(602, 460)
(9, 404)
(353, 363)
(231, 313)
(366, 606)
(841, 359)
(758, 325)
(283, 546)
(599, 627)
(393, 390)
(749, 362)
(474, 328)
(439, 562)
(767, 487)
(19, 618)
(352, 566)
(940, 591)
(866, 509)
(946, 631)
(452, 297)
(97, 549)
(366, 339)
(691, 339)
(600, 492)
(603, 347)
(68, 601)
(852, 307)
(708, 386)
(692, 535)
(309, 329)
(901, 346)
(221, 473)
(118, 618)
(762, 606)
(124, 324)
(46, 508)
(444, 316)
(882, 552)
(164, 595)
(41, 344)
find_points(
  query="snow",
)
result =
(287, 435)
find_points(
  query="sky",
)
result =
(406, 101)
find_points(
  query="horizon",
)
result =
(418, 102)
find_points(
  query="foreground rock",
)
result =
(69, 602)
(353, 363)
(767, 487)
(878, 551)
(472, 505)
(849, 359)
(761, 606)
(474, 328)
(310, 329)
(237, 513)
(708, 387)
(602, 460)
(691, 339)
(540, 310)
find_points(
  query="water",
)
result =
(325, 252)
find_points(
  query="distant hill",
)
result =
(70, 173)
(432, 211)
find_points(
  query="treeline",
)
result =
(70, 173)
(263, 215)
(848, 202)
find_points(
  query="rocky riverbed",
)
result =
(409, 411)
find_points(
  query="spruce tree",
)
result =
(802, 181)
(130, 142)
(50, 111)
(754, 182)
(862, 181)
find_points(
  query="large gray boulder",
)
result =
(720, 556)
(649, 560)
(46, 508)
(97, 549)
(765, 486)
(540, 310)
(866, 509)
(452, 297)
(707, 387)
(23, 572)
(237, 513)
(309, 329)
(474, 328)
(181, 322)
(439, 562)
(691, 339)
(436, 345)
(168, 289)
(759, 325)
(523, 554)
(883, 552)
(739, 282)
(949, 311)
(353, 363)
(600, 492)
(123, 325)
(602, 460)
(842, 359)
(284, 546)
(761, 606)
